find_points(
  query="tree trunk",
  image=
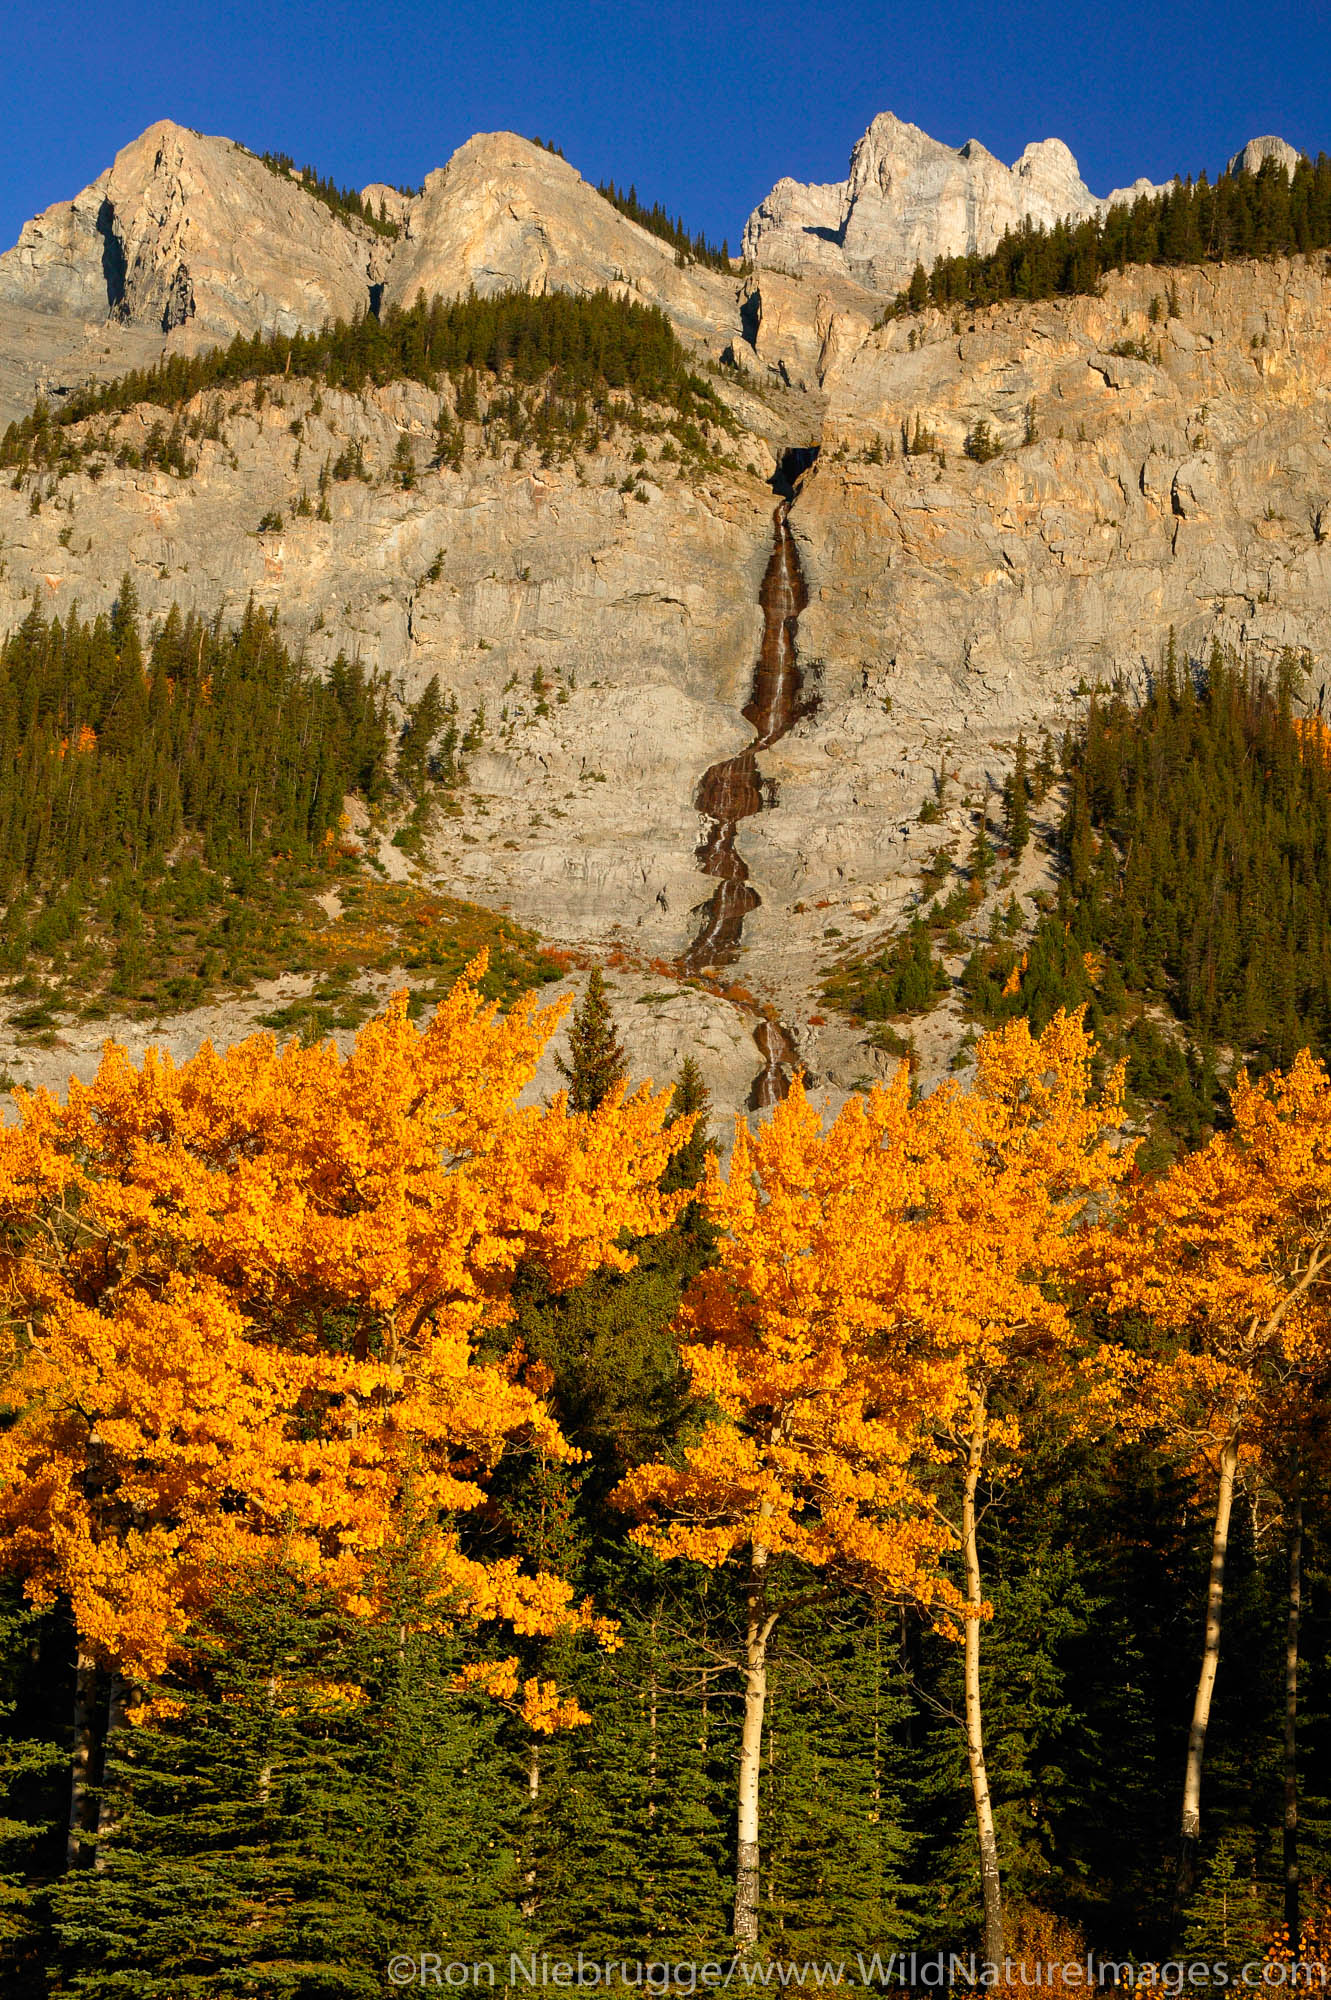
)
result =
(531, 1902)
(652, 1696)
(106, 1811)
(265, 1784)
(81, 1756)
(1291, 1843)
(758, 1630)
(990, 1882)
(1191, 1824)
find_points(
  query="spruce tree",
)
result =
(690, 1095)
(1016, 804)
(312, 1797)
(424, 722)
(598, 1061)
(981, 857)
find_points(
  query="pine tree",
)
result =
(1016, 804)
(424, 722)
(691, 1096)
(599, 1062)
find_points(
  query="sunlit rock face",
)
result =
(908, 199)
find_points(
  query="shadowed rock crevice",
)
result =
(113, 260)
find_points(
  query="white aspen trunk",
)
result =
(991, 1887)
(1293, 1918)
(1191, 1824)
(758, 1630)
(530, 1900)
(652, 1697)
(876, 1787)
(265, 1784)
(106, 1811)
(80, 1758)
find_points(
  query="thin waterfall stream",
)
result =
(732, 791)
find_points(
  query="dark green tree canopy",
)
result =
(597, 1059)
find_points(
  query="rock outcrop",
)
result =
(1258, 151)
(1163, 462)
(506, 212)
(909, 199)
(192, 234)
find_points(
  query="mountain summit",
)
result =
(908, 198)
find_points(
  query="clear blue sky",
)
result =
(702, 105)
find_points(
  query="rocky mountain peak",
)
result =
(504, 211)
(195, 238)
(909, 198)
(156, 241)
(1257, 151)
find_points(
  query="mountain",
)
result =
(192, 234)
(195, 239)
(1156, 460)
(908, 199)
(506, 212)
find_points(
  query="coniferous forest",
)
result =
(579, 347)
(1272, 213)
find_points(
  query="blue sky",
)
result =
(703, 106)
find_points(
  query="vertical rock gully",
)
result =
(733, 790)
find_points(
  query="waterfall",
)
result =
(732, 791)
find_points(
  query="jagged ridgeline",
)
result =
(1271, 213)
(671, 229)
(341, 200)
(689, 247)
(586, 350)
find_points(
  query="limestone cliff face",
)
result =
(506, 212)
(1164, 461)
(954, 603)
(639, 614)
(193, 234)
(908, 198)
(1184, 479)
(951, 605)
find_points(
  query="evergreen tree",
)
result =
(598, 1061)
(689, 1097)
(1016, 799)
(310, 1799)
(425, 720)
(980, 859)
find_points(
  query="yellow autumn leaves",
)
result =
(243, 1304)
(873, 1279)
(251, 1304)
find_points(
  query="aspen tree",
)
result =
(1230, 1252)
(244, 1299)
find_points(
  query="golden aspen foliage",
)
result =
(1230, 1251)
(243, 1302)
(1013, 1166)
(875, 1282)
(866, 1274)
(799, 1340)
